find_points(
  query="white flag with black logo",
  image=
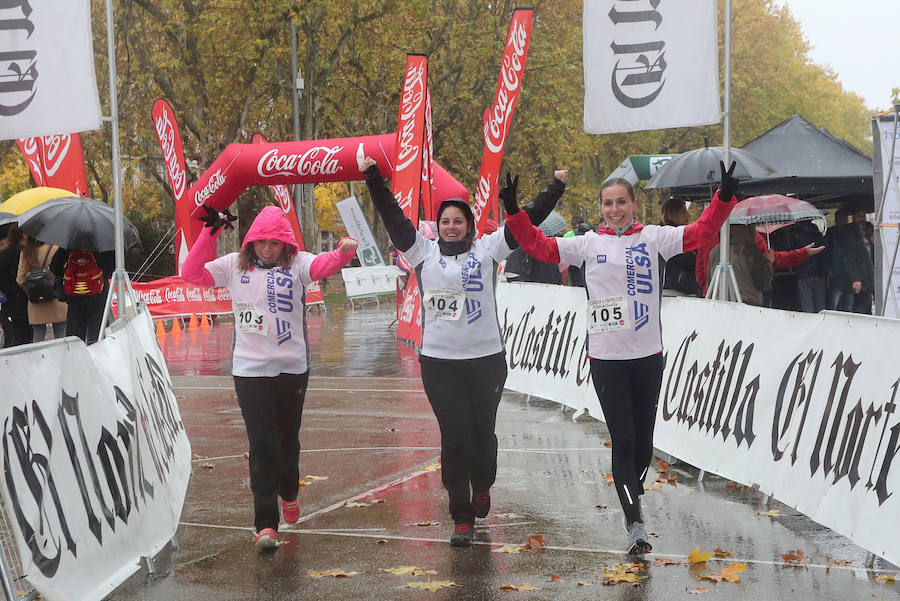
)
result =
(47, 81)
(649, 64)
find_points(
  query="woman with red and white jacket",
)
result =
(622, 277)
(267, 281)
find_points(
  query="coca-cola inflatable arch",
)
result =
(311, 161)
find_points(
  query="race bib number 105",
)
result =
(607, 314)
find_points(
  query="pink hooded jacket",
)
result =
(269, 224)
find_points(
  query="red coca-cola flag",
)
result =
(283, 197)
(56, 162)
(407, 179)
(170, 144)
(428, 161)
(498, 117)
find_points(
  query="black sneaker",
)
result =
(462, 534)
(481, 503)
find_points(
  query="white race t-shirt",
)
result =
(270, 315)
(459, 306)
(623, 272)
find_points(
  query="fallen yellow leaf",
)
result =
(355, 504)
(731, 573)
(410, 571)
(774, 513)
(314, 478)
(432, 585)
(609, 479)
(517, 587)
(617, 573)
(665, 561)
(335, 572)
(885, 578)
(722, 552)
(696, 556)
(699, 591)
(510, 549)
(426, 523)
(792, 557)
(433, 467)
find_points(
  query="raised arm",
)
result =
(332, 262)
(194, 269)
(399, 227)
(541, 205)
(715, 215)
(532, 239)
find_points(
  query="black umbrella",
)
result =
(701, 167)
(76, 223)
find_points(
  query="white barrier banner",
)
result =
(649, 65)
(47, 82)
(802, 404)
(543, 327)
(358, 227)
(887, 186)
(370, 281)
(95, 456)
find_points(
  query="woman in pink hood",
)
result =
(267, 280)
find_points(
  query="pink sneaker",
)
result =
(290, 511)
(266, 539)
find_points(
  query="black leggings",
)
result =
(464, 395)
(272, 407)
(628, 391)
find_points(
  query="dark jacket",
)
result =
(752, 270)
(802, 234)
(16, 299)
(529, 269)
(681, 275)
(858, 261)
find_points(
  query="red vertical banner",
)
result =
(56, 162)
(428, 160)
(407, 179)
(169, 137)
(498, 117)
(285, 201)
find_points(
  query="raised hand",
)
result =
(508, 195)
(215, 219)
(349, 245)
(562, 175)
(729, 183)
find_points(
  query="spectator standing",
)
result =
(680, 277)
(14, 304)
(859, 259)
(38, 255)
(838, 286)
(810, 273)
(752, 267)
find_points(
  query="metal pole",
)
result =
(727, 289)
(296, 86)
(114, 123)
(888, 289)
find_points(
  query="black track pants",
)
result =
(272, 407)
(629, 391)
(464, 395)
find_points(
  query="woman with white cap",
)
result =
(462, 357)
(267, 281)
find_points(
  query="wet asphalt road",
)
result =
(367, 433)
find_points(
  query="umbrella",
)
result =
(76, 223)
(17, 204)
(701, 167)
(773, 209)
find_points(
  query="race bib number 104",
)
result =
(444, 304)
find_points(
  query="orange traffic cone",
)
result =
(160, 331)
(204, 322)
(176, 325)
(193, 325)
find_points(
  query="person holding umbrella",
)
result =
(267, 280)
(622, 263)
(14, 304)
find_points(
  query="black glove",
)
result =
(729, 183)
(213, 220)
(508, 195)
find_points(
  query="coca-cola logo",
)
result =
(318, 160)
(31, 149)
(55, 150)
(165, 132)
(410, 102)
(174, 295)
(496, 126)
(215, 182)
(283, 196)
